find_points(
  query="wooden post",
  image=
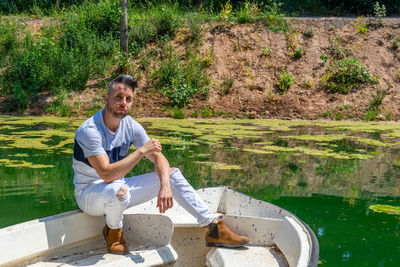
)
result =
(124, 27)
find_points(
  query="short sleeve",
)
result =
(90, 140)
(140, 136)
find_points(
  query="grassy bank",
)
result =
(61, 52)
(235, 59)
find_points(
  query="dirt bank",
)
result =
(246, 61)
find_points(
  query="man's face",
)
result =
(119, 102)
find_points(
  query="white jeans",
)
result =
(100, 198)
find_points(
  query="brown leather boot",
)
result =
(218, 235)
(115, 241)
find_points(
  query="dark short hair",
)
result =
(124, 79)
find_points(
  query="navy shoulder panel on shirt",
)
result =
(79, 155)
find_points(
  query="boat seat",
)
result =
(254, 256)
(149, 245)
(260, 252)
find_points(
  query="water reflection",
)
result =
(326, 173)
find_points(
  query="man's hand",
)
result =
(165, 200)
(151, 147)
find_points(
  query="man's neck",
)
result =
(110, 121)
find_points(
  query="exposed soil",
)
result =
(238, 53)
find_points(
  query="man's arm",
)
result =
(113, 171)
(161, 164)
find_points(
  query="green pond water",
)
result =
(330, 174)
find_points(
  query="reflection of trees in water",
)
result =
(290, 174)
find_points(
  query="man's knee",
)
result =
(122, 194)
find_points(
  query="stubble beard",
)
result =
(114, 113)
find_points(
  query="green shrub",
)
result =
(59, 106)
(166, 23)
(337, 50)
(360, 25)
(101, 17)
(285, 81)
(207, 112)
(8, 41)
(345, 74)
(179, 79)
(227, 85)
(323, 58)
(265, 51)
(377, 99)
(298, 52)
(248, 12)
(396, 42)
(379, 13)
(59, 58)
(179, 92)
(178, 113)
(195, 33)
(371, 115)
(309, 32)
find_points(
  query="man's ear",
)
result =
(105, 97)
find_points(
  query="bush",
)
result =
(346, 74)
(379, 13)
(179, 91)
(298, 52)
(8, 41)
(248, 13)
(59, 58)
(309, 32)
(179, 80)
(227, 85)
(377, 99)
(101, 17)
(178, 113)
(166, 23)
(285, 81)
(337, 50)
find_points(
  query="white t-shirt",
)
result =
(94, 138)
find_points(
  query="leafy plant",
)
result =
(178, 113)
(226, 10)
(323, 58)
(227, 85)
(298, 52)
(371, 115)
(285, 81)
(345, 74)
(166, 24)
(337, 50)
(59, 106)
(274, 19)
(179, 91)
(207, 59)
(195, 33)
(360, 25)
(248, 12)
(266, 51)
(377, 99)
(207, 111)
(379, 13)
(307, 84)
(309, 32)
(179, 80)
(396, 42)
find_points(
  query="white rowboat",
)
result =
(278, 238)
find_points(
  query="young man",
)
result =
(100, 163)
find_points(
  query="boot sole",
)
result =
(222, 245)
